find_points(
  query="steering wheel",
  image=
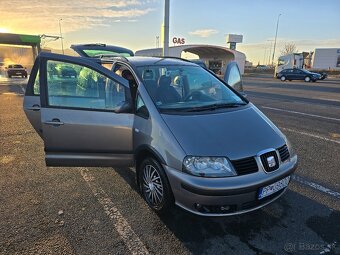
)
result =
(193, 95)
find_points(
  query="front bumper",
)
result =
(235, 195)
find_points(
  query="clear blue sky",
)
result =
(136, 23)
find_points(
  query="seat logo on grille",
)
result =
(271, 161)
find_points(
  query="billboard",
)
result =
(233, 38)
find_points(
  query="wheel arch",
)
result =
(144, 151)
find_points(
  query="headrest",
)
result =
(148, 74)
(164, 81)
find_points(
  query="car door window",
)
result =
(141, 109)
(36, 85)
(75, 86)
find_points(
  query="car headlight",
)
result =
(208, 166)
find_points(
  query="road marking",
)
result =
(311, 135)
(301, 113)
(335, 135)
(316, 186)
(131, 240)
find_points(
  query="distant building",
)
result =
(215, 57)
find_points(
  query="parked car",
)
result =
(16, 70)
(323, 75)
(298, 74)
(262, 67)
(195, 141)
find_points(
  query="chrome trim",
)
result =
(259, 161)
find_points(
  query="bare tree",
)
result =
(288, 49)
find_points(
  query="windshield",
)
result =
(187, 88)
(281, 62)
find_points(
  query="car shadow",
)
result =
(264, 231)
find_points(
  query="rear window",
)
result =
(98, 53)
(18, 66)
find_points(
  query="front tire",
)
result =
(307, 79)
(154, 186)
(283, 78)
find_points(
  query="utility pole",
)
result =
(166, 28)
(277, 28)
(61, 36)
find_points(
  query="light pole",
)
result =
(61, 36)
(166, 28)
(277, 28)
(270, 50)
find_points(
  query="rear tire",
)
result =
(283, 78)
(307, 79)
(154, 186)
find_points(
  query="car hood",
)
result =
(237, 133)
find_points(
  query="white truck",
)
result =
(294, 60)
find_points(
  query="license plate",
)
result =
(272, 188)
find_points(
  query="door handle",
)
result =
(54, 122)
(34, 107)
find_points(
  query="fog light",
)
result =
(198, 206)
(225, 208)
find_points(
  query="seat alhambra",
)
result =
(194, 139)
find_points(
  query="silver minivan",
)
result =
(194, 139)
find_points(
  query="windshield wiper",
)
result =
(213, 107)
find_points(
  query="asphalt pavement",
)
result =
(99, 210)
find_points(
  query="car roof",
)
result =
(156, 61)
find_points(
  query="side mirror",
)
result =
(232, 76)
(143, 112)
(125, 107)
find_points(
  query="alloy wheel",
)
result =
(152, 186)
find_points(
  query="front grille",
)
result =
(284, 153)
(245, 166)
(265, 163)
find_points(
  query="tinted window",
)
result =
(18, 66)
(97, 53)
(76, 86)
(36, 85)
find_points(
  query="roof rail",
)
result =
(113, 56)
(164, 57)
